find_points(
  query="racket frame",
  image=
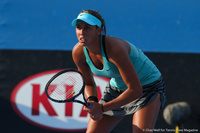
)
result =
(73, 99)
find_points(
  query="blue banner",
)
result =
(151, 25)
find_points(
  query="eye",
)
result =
(78, 27)
(87, 27)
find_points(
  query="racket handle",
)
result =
(89, 106)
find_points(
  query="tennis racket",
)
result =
(66, 86)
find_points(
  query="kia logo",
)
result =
(31, 103)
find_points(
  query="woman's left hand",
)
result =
(95, 110)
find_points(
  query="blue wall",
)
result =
(152, 25)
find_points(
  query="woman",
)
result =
(136, 85)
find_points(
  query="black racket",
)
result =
(66, 86)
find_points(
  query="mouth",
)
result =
(82, 40)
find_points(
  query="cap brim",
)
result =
(74, 22)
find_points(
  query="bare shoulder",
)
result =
(116, 47)
(78, 54)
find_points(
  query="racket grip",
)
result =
(89, 106)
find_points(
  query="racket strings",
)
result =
(65, 86)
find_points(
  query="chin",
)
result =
(82, 43)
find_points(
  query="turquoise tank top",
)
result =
(145, 68)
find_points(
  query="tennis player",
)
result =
(136, 86)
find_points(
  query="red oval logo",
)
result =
(31, 103)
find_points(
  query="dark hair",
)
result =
(97, 15)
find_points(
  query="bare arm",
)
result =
(118, 53)
(128, 73)
(80, 61)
